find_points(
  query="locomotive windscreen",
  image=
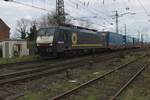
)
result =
(45, 35)
(46, 32)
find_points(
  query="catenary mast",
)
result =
(60, 12)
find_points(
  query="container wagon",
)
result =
(113, 40)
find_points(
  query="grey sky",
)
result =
(10, 12)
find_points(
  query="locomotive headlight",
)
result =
(38, 44)
(50, 44)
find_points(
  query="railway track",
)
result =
(109, 85)
(41, 70)
(10, 78)
(14, 65)
(41, 62)
(30, 64)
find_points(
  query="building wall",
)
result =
(4, 31)
(10, 48)
(4, 35)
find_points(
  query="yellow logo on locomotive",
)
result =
(74, 38)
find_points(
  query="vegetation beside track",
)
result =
(140, 89)
(80, 75)
(18, 59)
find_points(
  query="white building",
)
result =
(14, 48)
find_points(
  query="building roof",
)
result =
(3, 26)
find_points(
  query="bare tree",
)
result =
(23, 27)
(51, 20)
(33, 32)
(42, 22)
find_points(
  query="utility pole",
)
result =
(117, 30)
(117, 18)
(142, 39)
(60, 12)
(125, 29)
(139, 35)
(103, 1)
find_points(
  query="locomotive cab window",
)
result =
(41, 32)
(45, 35)
(46, 32)
(50, 32)
(63, 36)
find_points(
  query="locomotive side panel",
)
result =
(86, 40)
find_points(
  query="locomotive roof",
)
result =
(84, 30)
(108, 32)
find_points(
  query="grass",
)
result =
(63, 85)
(31, 44)
(18, 59)
(135, 94)
(81, 75)
(32, 96)
(139, 89)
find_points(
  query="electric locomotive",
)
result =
(61, 39)
(74, 40)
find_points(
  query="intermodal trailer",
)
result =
(128, 41)
(113, 40)
(136, 43)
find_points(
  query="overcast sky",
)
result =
(10, 12)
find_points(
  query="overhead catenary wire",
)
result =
(133, 18)
(80, 19)
(83, 18)
(96, 12)
(92, 11)
(39, 8)
(28, 5)
(44, 9)
(130, 9)
(32, 6)
(146, 12)
(100, 13)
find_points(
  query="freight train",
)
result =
(75, 39)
